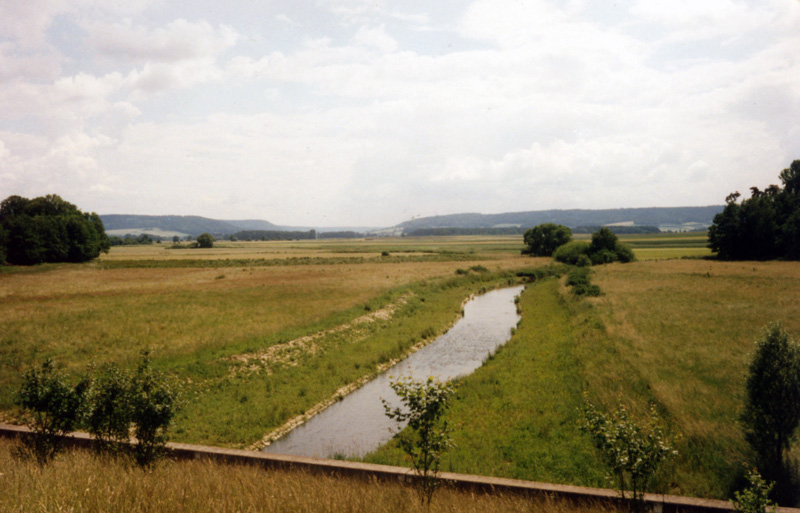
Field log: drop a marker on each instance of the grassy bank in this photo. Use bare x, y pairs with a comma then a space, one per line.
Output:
81, 482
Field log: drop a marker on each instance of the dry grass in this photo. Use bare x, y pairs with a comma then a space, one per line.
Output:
82, 482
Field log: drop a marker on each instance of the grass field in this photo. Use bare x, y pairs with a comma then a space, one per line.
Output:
260, 333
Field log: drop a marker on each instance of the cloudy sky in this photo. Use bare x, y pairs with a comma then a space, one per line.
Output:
371, 112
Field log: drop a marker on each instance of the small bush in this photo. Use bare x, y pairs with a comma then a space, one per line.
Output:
108, 419
154, 403
571, 251
53, 407
754, 498
427, 435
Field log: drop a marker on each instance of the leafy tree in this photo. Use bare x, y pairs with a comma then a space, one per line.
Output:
427, 435
772, 405
205, 240
52, 406
153, 404
632, 454
49, 229
542, 240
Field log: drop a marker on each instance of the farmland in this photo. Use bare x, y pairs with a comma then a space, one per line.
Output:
259, 333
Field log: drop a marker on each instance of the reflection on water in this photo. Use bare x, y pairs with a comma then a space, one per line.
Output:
357, 424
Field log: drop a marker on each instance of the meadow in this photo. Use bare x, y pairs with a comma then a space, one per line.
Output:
261, 333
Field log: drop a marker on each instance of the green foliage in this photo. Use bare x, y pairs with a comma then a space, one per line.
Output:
605, 248
542, 240
765, 226
205, 240
153, 405
754, 498
772, 404
109, 416
48, 229
52, 406
426, 436
631, 454
578, 279
570, 252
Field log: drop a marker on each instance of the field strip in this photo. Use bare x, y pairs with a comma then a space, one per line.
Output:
285, 353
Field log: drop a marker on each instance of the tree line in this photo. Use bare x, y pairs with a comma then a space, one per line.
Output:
765, 226
48, 229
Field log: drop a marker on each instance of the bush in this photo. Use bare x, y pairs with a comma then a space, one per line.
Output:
427, 436
109, 417
570, 252
754, 498
578, 279
52, 408
632, 455
153, 403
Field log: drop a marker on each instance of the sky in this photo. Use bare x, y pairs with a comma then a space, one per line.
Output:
371, 112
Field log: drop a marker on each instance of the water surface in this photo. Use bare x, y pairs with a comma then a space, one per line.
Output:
358, 425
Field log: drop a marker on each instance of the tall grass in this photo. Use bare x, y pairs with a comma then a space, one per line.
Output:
81, 482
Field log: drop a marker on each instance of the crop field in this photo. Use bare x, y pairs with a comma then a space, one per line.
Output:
260, 333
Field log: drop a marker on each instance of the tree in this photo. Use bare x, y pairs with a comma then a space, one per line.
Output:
772, 404
542, 240
53, 407
205, 240
427, 435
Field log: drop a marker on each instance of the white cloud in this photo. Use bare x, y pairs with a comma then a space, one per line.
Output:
179, 40
375, 37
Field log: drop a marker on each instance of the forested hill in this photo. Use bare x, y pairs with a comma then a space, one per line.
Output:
655, 216
190, 225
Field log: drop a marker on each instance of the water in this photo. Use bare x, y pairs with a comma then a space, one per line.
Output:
357, 424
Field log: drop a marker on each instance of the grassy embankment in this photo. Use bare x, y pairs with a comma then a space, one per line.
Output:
81, 482
678, 333
230, 324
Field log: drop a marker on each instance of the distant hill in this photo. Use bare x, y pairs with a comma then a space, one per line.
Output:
666, 218
186, 225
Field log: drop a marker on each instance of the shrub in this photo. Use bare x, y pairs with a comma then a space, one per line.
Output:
52, 406
631, 454
570, 252
427, 436
754, 498
108, 419
154, 403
